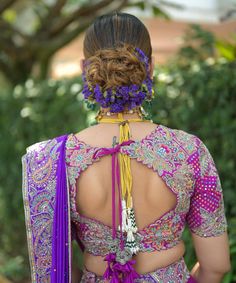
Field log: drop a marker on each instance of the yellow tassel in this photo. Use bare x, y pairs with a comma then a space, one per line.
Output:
128, 219
124, 159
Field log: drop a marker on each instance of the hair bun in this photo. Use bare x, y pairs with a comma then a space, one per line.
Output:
115, 67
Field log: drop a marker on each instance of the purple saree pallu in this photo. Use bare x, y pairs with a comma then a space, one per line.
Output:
47, 211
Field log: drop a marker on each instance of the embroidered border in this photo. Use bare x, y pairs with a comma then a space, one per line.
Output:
39, 182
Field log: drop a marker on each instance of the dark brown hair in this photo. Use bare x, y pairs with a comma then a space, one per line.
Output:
109, 48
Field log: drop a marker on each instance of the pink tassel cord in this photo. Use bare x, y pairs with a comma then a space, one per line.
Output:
117, 272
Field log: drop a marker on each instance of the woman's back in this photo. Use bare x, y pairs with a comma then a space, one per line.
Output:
151, 196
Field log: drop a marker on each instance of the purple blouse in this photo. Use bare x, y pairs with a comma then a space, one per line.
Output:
187, 168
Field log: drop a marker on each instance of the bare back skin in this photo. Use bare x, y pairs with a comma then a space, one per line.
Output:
151, 197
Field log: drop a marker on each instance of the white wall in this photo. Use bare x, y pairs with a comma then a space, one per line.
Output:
202, 11
209, 11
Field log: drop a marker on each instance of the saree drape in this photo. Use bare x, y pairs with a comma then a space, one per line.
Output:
47, 211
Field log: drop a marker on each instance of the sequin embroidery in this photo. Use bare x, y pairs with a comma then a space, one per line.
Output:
39, 168
186, 166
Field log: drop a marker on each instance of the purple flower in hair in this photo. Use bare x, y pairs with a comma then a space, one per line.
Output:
98, 93
142, 57
117, 107
108, 96
118, 97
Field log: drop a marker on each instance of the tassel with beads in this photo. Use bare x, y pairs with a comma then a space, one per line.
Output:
131, 229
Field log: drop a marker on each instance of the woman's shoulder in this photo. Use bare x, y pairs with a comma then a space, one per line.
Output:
186, 139
46, 145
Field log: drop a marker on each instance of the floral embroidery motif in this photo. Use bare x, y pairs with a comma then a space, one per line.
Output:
163, 233
93, 234
78, 157
206, 216
176, 272
39, 179
188, 170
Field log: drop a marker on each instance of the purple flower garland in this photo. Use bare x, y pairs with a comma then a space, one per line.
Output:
121, 96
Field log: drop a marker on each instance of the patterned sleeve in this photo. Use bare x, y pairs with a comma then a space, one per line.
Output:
206, 216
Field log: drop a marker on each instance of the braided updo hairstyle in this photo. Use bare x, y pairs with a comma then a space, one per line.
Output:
108, 46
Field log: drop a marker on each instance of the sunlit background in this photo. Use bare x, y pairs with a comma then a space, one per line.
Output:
215, 16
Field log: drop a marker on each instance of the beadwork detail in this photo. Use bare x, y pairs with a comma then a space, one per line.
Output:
39, 167
187, 168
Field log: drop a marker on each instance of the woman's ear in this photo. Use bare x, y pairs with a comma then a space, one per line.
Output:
152, 65
82, 64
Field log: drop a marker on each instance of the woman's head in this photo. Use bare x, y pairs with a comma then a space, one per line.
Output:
108, 45
111, 60
111, 30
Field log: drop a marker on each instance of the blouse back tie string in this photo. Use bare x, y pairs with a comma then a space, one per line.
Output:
120, 263
115, 174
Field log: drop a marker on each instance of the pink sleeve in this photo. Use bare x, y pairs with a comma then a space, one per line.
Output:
206, 216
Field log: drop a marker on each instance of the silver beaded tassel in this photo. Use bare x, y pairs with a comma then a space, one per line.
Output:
130, 229
124, 216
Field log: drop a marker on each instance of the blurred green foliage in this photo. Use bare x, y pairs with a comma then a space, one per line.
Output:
29, 113
195, 92
31, 32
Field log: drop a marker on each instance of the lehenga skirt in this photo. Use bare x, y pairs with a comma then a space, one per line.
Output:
176, 272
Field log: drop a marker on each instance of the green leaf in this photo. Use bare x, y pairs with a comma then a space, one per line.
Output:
9, 15
171, 4
158, 12
228, 277
139, 4
226, 50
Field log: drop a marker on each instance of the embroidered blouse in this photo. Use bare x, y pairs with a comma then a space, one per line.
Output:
184, 163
